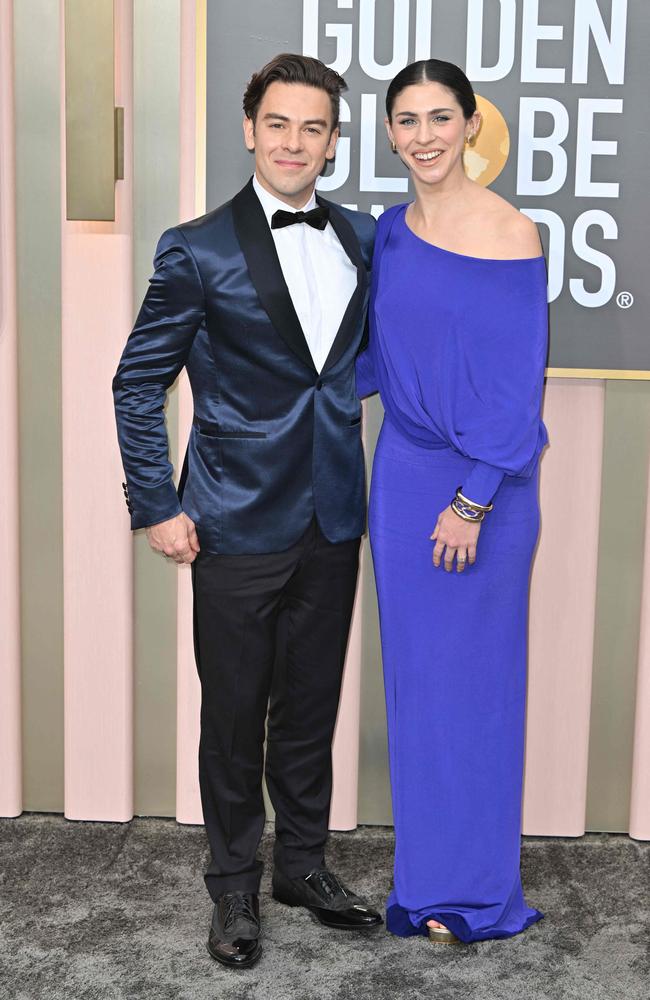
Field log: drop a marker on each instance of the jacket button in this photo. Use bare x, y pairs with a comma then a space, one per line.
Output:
319, 384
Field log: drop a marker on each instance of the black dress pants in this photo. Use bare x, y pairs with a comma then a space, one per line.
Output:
270, 634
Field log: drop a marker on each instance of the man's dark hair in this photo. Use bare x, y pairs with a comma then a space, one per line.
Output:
291, 68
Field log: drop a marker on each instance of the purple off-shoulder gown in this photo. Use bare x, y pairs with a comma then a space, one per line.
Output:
457, 351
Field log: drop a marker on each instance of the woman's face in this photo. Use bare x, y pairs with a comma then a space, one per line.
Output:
429, 129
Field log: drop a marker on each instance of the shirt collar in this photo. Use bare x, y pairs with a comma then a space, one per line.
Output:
271, 204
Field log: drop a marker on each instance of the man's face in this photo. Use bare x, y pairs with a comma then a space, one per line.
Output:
291, 139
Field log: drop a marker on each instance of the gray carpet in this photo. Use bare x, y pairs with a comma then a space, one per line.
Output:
111, 911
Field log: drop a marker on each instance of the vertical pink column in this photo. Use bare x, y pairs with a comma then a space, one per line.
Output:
10, 728
192, 203
562, 611
345, 747
640, 800
97, 314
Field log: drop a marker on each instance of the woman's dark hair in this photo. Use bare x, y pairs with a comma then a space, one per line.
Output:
433, 71
291, 68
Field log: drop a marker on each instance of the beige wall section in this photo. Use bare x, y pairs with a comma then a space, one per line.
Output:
374, 786
11, 777
38, 184
192, 204
640, 799
618, 604
156, 66
562, 609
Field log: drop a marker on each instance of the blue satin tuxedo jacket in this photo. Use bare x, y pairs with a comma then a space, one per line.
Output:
272, 441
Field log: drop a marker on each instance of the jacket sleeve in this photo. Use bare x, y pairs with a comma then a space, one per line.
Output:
155, 352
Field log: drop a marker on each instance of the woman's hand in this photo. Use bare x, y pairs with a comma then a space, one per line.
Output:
454, 537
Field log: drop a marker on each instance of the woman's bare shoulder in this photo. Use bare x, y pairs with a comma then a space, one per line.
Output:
521, 234
513, 231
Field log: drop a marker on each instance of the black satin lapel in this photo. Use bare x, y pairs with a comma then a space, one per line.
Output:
350, 321
256, 242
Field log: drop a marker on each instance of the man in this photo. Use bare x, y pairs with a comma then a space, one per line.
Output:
263, 301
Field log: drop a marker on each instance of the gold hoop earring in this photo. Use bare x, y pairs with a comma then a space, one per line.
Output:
393, 146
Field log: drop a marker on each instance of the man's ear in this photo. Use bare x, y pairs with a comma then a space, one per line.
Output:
249, 132
331, 146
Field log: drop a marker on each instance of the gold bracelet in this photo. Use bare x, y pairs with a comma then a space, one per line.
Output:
465, 512
472, 503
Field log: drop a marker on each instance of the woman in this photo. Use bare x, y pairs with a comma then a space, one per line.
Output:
457, 351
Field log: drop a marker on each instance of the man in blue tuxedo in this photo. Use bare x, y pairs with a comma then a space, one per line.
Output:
263, 301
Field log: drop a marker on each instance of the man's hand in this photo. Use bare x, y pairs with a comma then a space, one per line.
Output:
454, 537
175, 538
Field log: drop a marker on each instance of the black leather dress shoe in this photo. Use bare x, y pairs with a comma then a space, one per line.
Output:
233, 937
323, 893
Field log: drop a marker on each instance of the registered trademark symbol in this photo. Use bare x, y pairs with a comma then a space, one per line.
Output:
624, 300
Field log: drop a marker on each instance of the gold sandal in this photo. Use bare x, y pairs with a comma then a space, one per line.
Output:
441, 935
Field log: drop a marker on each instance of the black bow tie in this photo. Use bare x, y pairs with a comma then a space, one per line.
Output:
317, 218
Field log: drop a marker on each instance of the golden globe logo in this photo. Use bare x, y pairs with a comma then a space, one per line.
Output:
487, 155
566, 174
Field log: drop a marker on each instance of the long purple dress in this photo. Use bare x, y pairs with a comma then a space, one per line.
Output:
457, 351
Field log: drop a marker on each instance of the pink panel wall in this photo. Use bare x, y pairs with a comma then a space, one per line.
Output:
562, 611
188, 692
10, 728
96, 315
640, 803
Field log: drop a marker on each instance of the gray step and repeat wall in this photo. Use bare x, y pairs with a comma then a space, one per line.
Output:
563, 88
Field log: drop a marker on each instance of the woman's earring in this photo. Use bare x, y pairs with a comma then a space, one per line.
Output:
393, 146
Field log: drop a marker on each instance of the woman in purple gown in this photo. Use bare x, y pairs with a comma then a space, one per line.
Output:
458, 341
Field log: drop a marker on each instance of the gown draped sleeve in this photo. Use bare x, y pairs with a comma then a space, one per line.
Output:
365, 374
494, 414
463, 365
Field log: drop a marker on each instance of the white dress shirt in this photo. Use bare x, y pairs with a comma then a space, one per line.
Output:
320, 276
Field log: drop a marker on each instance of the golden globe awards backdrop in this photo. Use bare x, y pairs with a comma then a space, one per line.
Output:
562, 85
